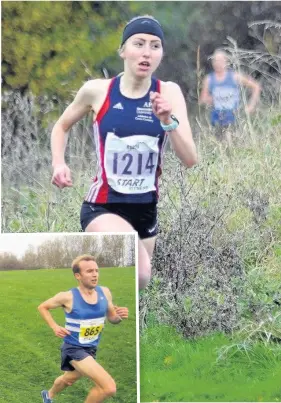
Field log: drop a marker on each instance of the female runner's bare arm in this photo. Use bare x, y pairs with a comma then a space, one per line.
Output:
81, 105
181, 138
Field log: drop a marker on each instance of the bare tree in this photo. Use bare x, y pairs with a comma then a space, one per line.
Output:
8, 261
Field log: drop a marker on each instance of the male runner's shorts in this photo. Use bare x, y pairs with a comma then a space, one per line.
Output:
222, 122
70, 352
222, 118
142, 217
221, 131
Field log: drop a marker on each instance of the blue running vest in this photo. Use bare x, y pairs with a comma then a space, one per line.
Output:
225, 96
129, 142
86, 321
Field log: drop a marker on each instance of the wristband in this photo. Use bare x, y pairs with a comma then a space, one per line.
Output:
171, 126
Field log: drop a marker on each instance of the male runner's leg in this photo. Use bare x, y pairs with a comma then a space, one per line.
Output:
104, 384
63, 381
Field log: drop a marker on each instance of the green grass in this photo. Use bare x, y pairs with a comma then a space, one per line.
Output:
240, 192
177, 370
30, 359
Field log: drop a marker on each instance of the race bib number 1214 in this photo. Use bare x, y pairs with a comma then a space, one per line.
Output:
131, 162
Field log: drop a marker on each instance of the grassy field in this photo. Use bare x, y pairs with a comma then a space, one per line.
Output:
178, 370
30, 356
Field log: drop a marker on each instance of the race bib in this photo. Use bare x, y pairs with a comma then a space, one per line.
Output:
131, 163
90, 330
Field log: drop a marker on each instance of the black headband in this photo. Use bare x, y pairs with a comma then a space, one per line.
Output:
143, 25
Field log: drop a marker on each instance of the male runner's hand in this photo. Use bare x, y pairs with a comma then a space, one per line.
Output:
123, 312
61, 176
60, 331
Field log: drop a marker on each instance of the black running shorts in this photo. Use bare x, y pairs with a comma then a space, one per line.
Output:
142, 217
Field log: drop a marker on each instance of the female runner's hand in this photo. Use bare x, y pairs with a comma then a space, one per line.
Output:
161, 108
61, 176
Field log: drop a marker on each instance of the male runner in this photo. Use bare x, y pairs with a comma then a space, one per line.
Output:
86, 309
221, 91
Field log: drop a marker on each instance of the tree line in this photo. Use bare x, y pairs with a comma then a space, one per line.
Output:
51, 47
109, 251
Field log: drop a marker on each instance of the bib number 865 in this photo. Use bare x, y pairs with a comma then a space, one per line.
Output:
92, 331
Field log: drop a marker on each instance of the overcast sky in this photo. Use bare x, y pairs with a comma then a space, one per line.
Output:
18, 243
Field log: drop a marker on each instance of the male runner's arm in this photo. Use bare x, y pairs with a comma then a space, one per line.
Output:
115, 314
205, 96
61, 299
181, 138
255, 88
81, 105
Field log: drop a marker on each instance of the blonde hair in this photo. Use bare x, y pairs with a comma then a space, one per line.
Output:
75, 264
220, 51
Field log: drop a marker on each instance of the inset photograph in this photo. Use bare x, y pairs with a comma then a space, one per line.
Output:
68, 318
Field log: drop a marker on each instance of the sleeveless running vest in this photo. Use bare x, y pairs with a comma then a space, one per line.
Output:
129, 142
86, 321
225, 93
225, 96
